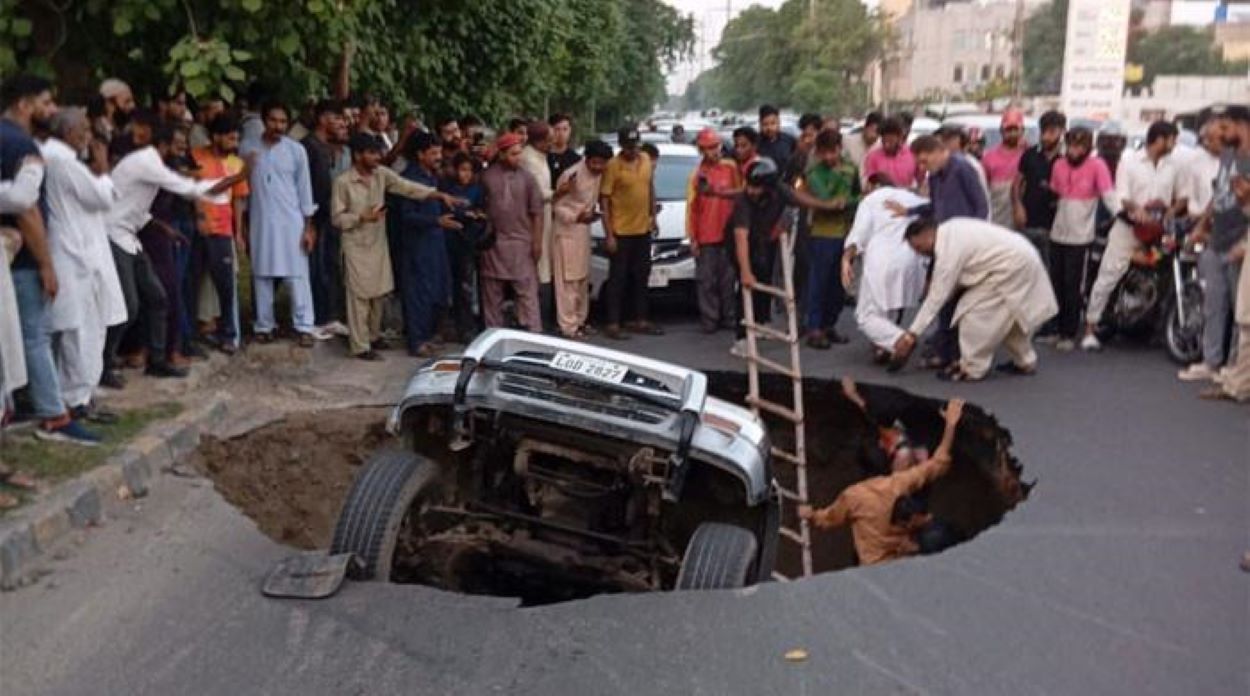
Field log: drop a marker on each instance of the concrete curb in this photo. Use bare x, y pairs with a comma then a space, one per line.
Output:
30, 533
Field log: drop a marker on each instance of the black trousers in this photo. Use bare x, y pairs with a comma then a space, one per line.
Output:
463, 260
218, 258
763, 258
628, 272
144, 297
1067, 274
326, 278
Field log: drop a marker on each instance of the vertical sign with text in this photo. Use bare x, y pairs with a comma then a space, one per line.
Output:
1093, 60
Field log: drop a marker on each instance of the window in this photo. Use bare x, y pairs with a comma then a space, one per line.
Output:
959, 73
985, 72
989, 40
960, 40
1000, 72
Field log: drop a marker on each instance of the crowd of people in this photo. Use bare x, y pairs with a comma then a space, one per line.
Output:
993, 246
137, 235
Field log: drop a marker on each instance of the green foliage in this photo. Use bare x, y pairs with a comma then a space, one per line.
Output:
1045, 36
490, 57
808, 57
1180, 50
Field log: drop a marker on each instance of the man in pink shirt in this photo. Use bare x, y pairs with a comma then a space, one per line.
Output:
1001, 165
892, 159
1080, 181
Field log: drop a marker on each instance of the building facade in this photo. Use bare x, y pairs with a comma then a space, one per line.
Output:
946, 50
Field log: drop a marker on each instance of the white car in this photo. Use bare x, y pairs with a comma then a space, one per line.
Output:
672, 265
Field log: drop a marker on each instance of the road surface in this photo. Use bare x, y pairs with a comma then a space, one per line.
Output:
1120, 575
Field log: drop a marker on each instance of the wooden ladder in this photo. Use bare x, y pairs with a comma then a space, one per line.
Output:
793, 413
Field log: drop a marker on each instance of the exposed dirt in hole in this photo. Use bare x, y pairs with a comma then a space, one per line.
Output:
291, 477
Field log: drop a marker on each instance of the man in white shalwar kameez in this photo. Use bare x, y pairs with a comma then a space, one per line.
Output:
893, 275
280, 211
1006, 293
90, 300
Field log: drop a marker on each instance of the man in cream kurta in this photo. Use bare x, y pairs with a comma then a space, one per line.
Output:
1006, 296
358, 208
574, 210
534, 161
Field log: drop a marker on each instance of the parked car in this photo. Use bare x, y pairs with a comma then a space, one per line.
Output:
537, 465
672, 264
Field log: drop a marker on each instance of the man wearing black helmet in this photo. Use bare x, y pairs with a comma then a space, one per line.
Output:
759, 217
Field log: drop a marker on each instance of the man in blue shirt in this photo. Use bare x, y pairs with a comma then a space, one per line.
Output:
424, 267
27, 103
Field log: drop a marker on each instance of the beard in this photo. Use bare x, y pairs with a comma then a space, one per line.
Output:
1232, 141
1077, 161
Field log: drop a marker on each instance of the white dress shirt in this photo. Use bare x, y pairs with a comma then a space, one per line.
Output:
1140, 181
138, 177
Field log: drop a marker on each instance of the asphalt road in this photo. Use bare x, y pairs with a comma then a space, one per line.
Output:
1120, 575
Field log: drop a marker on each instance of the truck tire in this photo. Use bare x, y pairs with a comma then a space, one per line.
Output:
719, 556
386, 487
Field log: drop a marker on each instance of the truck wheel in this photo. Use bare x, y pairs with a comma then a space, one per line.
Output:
386, 487
719, 556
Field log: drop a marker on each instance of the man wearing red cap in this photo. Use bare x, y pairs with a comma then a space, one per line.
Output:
709, 205
514, 205
1002, 163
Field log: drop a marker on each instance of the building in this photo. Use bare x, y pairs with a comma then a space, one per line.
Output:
949, 49
1155, 14
1233, 38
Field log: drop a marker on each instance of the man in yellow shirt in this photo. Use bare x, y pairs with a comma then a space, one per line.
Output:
881, 511
627, 196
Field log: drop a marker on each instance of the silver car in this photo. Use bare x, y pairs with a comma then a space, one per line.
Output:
537, 466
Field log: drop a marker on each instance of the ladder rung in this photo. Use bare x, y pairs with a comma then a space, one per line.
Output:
769, 290
769, 332
775, 366
792, 535
787, 493
787, 456
780, 577
775, 409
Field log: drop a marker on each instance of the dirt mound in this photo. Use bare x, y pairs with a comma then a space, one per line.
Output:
291, 477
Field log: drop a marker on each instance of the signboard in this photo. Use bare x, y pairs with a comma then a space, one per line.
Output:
1094, 57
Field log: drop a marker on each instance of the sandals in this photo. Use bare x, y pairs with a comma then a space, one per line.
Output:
957, 374
1010, 368
818, 340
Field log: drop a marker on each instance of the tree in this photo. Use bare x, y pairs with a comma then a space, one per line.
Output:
1045, 36
1180, 51
490, 57
802, 55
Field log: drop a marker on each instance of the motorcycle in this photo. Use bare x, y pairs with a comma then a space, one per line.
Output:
1160, 296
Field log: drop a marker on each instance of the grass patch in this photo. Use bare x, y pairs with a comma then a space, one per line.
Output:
52, 462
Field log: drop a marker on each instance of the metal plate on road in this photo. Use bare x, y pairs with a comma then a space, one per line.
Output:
658, 278
307, 576
586, 366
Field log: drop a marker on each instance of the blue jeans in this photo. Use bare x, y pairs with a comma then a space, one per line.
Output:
825, 297
41, 376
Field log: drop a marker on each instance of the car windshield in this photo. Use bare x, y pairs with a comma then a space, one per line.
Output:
672, 176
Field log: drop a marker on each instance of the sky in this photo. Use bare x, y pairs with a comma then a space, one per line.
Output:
710, 17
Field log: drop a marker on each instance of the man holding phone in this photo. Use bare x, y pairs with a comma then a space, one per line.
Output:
358, 209
577, 194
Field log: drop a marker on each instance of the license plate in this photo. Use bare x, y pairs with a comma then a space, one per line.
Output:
658, 278
597, 368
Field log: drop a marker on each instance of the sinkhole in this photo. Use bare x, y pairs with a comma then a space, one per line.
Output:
547, 514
